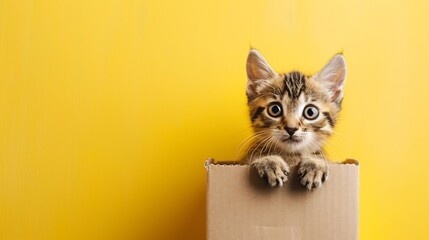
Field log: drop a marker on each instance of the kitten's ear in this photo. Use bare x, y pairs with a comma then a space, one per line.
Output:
258, 70
333, 77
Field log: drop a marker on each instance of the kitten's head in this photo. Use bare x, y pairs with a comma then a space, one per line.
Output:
298, 112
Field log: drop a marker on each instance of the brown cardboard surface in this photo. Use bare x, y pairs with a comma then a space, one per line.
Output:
241, 205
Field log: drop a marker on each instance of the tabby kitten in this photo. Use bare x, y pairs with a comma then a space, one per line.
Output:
292, 115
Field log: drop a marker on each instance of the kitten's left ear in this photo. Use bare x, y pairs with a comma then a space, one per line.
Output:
333, 77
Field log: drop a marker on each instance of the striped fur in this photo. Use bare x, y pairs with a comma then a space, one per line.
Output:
294, 92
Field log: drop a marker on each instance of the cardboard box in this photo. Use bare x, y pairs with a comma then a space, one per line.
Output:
242, 206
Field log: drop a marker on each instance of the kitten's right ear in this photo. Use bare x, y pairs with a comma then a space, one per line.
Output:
258, 71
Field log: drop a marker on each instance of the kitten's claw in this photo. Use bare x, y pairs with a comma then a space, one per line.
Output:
312, 173
274, 168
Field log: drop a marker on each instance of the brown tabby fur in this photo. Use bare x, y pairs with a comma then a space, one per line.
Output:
271, 153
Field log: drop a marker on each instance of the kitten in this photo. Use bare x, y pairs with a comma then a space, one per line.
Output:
292, 114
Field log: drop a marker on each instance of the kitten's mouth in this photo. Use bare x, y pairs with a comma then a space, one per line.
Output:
291, 140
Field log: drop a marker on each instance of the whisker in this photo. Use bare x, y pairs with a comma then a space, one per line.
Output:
247, 140
273, 144
264, 146
261, 142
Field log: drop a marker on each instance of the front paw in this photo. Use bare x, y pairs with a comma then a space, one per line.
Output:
313, 172
274, 168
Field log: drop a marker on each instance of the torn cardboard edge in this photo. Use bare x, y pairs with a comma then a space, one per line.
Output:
241, 205
211, 161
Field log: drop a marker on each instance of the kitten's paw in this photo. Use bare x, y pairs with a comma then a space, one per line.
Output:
313, 172
274, 168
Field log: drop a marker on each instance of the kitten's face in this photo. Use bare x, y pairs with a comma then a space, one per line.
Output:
294, 111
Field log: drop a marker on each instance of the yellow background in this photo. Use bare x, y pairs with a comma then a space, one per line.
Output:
108, 109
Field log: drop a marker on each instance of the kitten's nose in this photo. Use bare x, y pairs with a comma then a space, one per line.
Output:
291, 131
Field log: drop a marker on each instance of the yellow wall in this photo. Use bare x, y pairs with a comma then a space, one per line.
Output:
109, 108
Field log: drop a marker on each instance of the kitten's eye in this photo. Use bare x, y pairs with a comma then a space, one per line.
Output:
275, 110
311, 112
